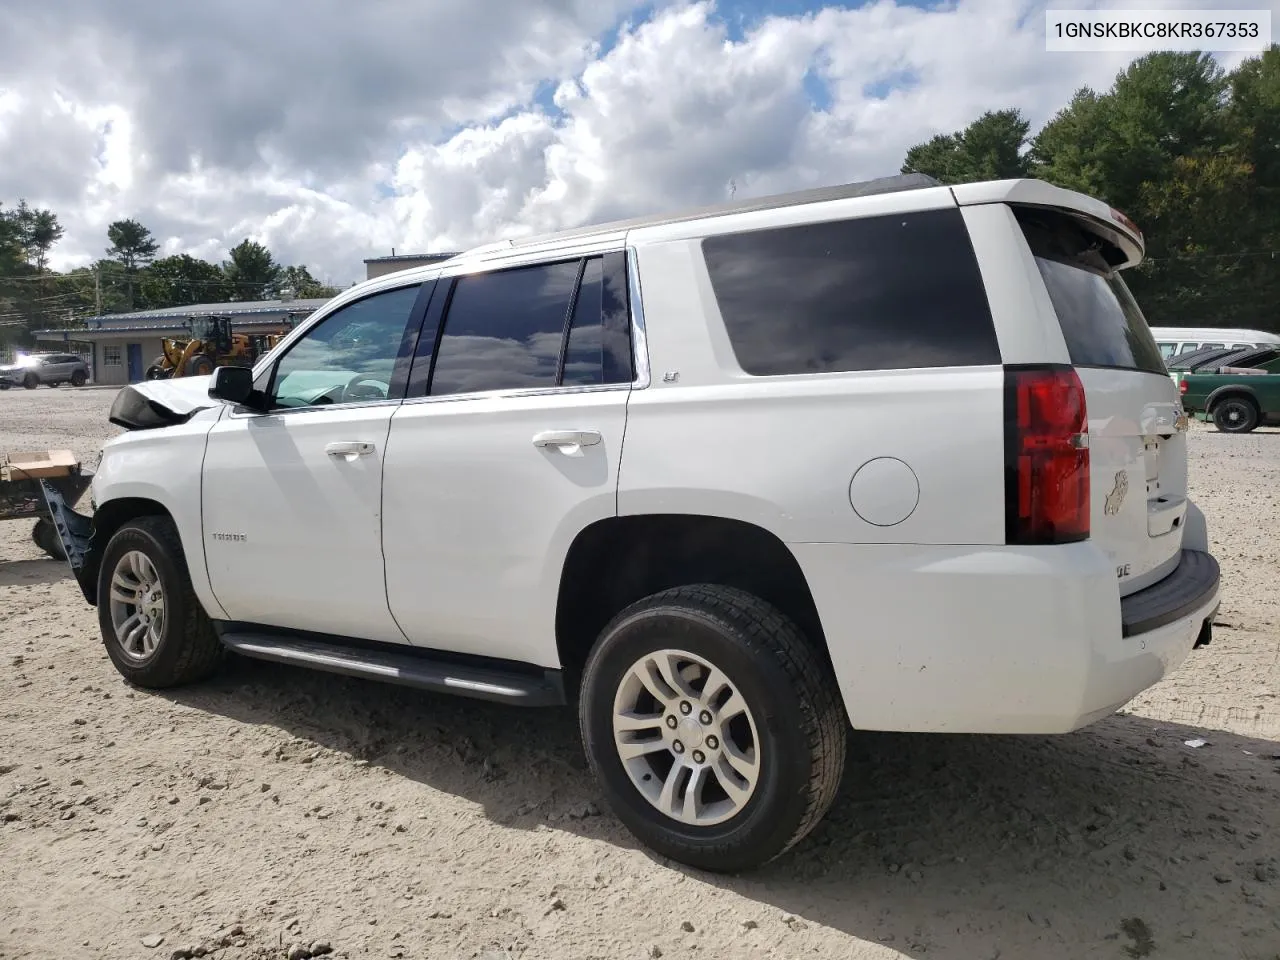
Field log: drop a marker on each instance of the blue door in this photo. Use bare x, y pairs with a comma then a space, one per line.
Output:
135, 362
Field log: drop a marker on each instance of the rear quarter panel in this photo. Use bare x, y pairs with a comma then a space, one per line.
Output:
781, 452
1202, 388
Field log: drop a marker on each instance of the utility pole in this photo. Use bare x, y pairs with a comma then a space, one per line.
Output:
97, 290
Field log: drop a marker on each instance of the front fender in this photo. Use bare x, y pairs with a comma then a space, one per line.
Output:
158, 471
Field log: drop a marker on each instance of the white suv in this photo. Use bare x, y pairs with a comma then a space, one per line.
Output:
890, 455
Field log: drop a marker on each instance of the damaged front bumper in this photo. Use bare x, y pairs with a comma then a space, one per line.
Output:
75, 531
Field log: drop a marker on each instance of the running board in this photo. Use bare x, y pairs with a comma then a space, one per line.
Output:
411, 669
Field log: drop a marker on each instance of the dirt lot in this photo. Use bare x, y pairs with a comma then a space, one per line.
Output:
274, 807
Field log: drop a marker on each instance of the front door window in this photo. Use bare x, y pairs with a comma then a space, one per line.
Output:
349, 356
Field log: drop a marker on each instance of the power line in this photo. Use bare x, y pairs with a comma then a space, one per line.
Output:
1214, 256
87, 278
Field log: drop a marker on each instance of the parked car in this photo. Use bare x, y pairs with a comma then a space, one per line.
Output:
1237, 399
1177, 341
33, 369
889, 455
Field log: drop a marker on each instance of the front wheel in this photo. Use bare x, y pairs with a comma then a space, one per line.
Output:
1235, 415
152, 625
713, 726
200, 366
31, 381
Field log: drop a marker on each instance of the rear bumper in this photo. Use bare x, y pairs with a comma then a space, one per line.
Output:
1192, 584
999, 639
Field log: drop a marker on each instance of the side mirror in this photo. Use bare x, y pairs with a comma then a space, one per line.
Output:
232, 384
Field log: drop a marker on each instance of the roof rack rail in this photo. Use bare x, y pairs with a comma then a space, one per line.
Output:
845, 191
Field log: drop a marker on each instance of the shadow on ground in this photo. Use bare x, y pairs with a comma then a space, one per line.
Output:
24, 573
1116, 841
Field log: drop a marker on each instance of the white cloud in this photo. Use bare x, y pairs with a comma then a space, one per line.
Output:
421, 130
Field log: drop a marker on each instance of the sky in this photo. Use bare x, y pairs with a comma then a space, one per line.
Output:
333, 131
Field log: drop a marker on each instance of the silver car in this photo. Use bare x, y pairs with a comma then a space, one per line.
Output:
32, 369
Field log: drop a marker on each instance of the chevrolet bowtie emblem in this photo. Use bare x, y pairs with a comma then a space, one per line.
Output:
1182, 423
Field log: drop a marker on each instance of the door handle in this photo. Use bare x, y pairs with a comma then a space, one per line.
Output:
349, 449
568, 442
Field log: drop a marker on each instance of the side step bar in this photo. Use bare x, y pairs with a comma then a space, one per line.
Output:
410, 668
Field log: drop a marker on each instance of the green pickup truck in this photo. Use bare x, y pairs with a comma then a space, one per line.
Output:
1235, 399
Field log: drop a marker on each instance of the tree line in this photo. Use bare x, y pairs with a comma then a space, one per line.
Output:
129, 277
1189, 152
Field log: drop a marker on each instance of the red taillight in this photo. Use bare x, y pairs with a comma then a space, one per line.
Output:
1047, 456
1182, 386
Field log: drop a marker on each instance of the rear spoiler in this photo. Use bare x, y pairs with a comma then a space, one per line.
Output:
1100, 218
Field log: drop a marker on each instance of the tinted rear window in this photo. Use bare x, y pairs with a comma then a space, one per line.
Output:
1101, 322
877, 293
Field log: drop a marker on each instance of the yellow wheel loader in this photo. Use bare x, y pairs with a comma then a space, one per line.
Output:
212, 344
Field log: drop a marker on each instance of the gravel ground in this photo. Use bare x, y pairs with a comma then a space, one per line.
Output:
276, 812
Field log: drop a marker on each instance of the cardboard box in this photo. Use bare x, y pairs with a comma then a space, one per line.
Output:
46, 463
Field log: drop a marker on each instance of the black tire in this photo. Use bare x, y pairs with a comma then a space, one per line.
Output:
78, 378
1235, 415
45, 536
200, 366
799, 718
52, 384
31, 381
188, 650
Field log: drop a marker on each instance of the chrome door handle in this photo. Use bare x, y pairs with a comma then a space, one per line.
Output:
349, 449
568, 442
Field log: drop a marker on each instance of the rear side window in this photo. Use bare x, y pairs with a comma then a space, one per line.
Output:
504, 330
1101, 322
878, 293
549, 325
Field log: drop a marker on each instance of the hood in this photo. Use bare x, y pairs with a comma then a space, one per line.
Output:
160, 403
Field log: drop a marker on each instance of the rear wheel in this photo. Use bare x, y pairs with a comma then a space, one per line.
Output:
78, 378
152, 625
713, 726
1235, 415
